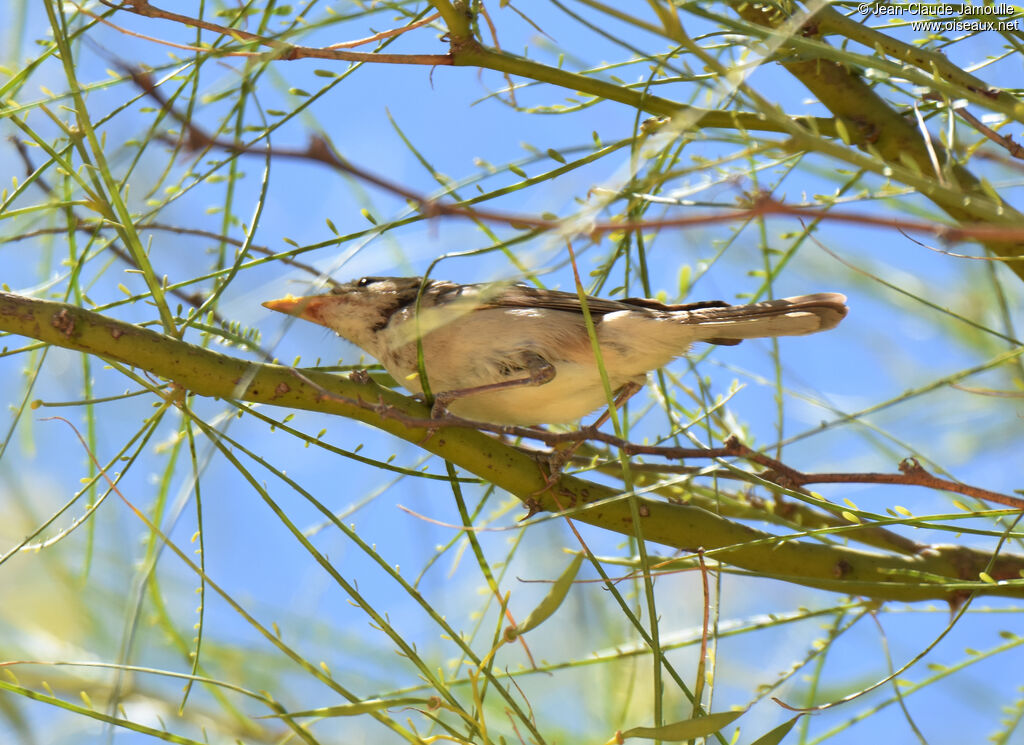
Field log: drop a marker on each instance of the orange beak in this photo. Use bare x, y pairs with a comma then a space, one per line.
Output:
306, 308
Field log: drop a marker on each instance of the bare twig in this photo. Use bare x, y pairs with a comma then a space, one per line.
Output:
777, 472
195, 299
279, 49
762, 205
911, 473
497, 45
320, 151
1005, 141
385, 34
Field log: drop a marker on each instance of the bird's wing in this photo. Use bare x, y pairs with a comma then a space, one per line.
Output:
524, 296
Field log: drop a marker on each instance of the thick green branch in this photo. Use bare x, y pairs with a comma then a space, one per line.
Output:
865, 118
208, 373
876, 127
476, 55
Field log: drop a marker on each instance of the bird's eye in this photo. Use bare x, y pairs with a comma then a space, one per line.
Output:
364, 281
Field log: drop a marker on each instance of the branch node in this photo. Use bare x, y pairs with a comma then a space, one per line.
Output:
912, 467
64, 322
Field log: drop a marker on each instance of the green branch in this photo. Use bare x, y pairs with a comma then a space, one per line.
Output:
476, 55
873, 125
942, 572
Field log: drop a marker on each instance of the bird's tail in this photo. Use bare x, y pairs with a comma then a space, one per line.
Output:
791, 316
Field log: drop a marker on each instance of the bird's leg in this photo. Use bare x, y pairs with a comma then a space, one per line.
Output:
625, 393
539, 371
557, 459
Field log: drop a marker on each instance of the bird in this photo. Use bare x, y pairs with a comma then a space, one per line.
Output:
512, 354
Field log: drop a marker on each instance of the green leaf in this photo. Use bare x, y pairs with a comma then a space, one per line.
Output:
842, 131
555, 155
987, 188
551, 601
686, 729
354, 708
685, 277
775, 736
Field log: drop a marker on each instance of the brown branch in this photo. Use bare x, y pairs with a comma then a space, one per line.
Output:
144, 80
762, 205
497, 45
92, 226
320, 151
280, 49
912, 473
194, 299
1005, 141
385, 34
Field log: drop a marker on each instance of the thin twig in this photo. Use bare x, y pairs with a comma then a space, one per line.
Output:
384, 34
1005, 141
762, 205
777, 472
280, 49
497, 45
912, 473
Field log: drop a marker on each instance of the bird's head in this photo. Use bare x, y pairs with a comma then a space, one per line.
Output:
357, 310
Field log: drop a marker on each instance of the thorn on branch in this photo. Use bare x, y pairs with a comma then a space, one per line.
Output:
912, 467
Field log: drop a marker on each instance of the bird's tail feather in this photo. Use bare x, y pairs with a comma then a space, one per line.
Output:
791, 316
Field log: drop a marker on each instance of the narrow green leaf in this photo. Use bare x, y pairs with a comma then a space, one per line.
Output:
909, 162
775, 736
551, 601
843, 132
990, 190
354, 708
686, 729
685, 277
